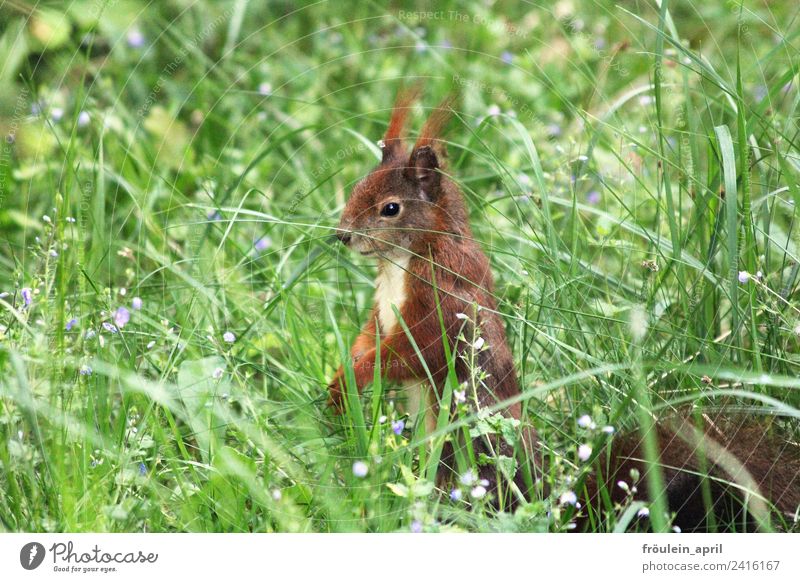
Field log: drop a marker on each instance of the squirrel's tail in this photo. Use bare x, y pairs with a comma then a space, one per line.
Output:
722, 476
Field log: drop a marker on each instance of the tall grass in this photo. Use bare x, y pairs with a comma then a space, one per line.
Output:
631, 170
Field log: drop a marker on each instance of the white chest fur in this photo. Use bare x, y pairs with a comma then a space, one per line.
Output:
391, 290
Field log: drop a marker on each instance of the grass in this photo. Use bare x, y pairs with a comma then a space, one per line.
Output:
623, 165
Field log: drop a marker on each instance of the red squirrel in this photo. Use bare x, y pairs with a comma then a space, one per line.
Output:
412, 218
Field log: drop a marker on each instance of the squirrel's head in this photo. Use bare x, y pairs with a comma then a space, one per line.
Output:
406, 199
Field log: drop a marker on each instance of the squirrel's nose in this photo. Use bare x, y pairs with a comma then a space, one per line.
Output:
343, 236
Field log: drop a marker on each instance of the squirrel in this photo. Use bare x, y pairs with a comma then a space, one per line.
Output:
410, 216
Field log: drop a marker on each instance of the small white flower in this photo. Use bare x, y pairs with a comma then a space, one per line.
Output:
276, 494
478, 492
217, 373
56, 113
382, 419
643, 512
479, 343
744, 277
568, 498
46, 219
584, 452
83, 119
460, 396
461, 316
493, 111
229, 337
585, 421
676, 529
265, 89
622, 485
150, 344
608, 429
484, 482
360, 469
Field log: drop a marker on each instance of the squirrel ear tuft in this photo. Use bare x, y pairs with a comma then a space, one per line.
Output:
431, 134
393, 139
423, 168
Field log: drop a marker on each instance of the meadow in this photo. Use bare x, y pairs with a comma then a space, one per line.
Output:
173, 304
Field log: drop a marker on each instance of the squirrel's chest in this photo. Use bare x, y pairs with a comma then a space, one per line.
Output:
391, 290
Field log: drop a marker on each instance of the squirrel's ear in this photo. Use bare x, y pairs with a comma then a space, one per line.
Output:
392, 146
431, 134
423, 168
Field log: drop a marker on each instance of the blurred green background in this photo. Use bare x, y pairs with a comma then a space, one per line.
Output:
632, 176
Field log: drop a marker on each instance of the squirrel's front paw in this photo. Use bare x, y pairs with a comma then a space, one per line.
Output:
336, 392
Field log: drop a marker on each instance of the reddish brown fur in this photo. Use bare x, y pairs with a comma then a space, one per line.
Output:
448, 266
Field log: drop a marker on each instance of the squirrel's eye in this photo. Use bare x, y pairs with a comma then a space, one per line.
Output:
390, 209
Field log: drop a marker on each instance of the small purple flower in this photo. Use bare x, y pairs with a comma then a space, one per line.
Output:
643, 513
56, 113
135, 38
416, 526
360, 469
142, 469
455, 495
83, 119
398, 426
553, 130
214, 215
263, 243
85, 371
593, 197
507, 57
109, 328
136, 303
744, 277
27, 296
71, 323
121, 317
229, 337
